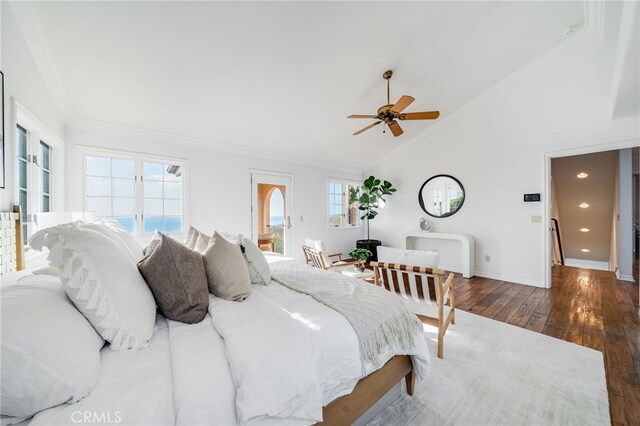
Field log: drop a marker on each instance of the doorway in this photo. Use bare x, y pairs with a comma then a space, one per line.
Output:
271, 207
587, 204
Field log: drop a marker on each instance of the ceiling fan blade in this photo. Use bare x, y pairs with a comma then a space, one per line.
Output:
367, 128
362, 116
402, 103
395, 128
426, 115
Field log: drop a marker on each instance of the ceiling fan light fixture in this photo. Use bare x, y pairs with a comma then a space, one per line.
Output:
390, 113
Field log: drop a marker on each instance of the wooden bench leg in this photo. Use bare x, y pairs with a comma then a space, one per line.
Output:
410, 381
452, 302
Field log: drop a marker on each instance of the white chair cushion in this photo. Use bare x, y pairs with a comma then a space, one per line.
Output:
318, 245
422, 258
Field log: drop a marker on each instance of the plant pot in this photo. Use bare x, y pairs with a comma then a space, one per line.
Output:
372, 246
358, 268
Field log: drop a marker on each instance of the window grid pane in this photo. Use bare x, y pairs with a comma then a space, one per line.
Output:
110, 190
341, 213
162, 197
21, 172
45, 177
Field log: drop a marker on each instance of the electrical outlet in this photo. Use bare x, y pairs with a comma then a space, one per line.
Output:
301, 219
487, 258
536, 218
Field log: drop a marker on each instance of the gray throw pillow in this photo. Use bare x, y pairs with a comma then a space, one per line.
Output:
176, 276
226, 269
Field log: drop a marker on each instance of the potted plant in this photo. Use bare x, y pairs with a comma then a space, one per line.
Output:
360, 255
369, 197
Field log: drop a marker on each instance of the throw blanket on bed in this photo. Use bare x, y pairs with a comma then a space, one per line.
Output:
380, 319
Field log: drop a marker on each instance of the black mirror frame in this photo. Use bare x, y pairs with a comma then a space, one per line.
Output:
421, 200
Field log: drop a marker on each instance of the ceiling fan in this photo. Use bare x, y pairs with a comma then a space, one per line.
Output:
388, 114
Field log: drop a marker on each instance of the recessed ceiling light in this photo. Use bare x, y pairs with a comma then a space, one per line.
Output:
584, 205
584, 229
585, 250
582, 175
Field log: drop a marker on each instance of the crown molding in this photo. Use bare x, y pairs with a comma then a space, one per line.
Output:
31, 28
594, 11
202, 143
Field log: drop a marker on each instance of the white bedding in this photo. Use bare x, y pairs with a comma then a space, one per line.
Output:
134, 388
190, 375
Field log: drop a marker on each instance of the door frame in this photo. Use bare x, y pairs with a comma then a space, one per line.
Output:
548, 156
288, 207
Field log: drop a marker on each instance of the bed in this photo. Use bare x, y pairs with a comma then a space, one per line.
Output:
279, 357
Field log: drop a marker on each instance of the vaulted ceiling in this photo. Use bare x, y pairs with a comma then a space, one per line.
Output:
282, 77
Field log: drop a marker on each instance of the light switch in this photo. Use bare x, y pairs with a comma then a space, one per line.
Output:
536, 218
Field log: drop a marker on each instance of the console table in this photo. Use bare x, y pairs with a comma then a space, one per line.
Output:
468, 247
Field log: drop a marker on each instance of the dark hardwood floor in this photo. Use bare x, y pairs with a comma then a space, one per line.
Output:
586, 307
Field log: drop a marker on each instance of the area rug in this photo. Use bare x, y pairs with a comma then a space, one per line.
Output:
497, 374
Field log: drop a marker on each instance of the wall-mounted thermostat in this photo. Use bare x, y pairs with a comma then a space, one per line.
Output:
531, 197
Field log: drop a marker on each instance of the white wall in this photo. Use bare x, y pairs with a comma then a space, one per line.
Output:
497, 147
219, 188
23, 82
625, 216
613, 249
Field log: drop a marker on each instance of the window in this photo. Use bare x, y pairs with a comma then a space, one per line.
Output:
110, 190
22, 176
34, 170
142, 195
341, 213
162, 197
45, 177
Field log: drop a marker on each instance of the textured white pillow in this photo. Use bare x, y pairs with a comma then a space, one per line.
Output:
103, 282
425, 259
112, 232
257, 265
50, 353
318, 245
129, 240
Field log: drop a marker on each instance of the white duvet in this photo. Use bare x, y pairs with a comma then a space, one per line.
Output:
276, 358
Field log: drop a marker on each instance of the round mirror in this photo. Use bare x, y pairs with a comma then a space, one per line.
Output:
441, 196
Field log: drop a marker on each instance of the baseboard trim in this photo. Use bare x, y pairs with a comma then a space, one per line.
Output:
515, 280
625, 277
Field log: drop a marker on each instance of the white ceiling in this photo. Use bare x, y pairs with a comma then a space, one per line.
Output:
597, 190
282, 77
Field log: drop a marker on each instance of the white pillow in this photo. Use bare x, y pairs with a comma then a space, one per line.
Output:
257, 265
196, 240
202, 242
129, 240
318, 245
190, 239
116, 236
103, 282
50, 353
422, 258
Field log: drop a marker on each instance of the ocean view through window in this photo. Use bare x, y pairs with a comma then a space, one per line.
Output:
140, 194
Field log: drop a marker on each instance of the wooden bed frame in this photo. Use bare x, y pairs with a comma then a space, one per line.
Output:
11, 245
347, 409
